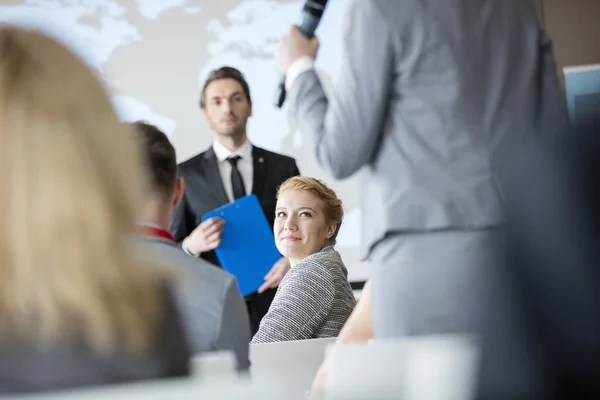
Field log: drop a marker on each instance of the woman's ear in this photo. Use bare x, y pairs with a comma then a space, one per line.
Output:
330, 230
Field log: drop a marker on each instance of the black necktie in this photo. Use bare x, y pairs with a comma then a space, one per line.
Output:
237, 183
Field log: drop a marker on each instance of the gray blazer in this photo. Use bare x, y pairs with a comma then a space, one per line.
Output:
428, 93
211, 305
313, 300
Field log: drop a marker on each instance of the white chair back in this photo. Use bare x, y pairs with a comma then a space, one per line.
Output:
215, 364
416, 368
293, 363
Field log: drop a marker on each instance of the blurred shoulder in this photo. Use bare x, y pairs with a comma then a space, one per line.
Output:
191, 269
387, 12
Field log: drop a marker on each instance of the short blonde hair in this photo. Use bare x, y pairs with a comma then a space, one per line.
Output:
332, 205
71, 188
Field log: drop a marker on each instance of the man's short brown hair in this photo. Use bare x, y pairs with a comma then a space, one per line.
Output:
160, 157
225, 73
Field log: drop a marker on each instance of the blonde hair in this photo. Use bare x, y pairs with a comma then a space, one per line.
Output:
332, 205
71, 187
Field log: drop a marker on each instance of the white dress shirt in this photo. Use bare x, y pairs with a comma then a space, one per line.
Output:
295, 69
244, 165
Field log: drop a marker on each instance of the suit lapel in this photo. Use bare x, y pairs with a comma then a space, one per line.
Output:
259, 170
211, 165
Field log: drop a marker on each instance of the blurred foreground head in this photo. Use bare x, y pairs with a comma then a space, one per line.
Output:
70, 190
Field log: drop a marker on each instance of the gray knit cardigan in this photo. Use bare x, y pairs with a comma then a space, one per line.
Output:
313, 300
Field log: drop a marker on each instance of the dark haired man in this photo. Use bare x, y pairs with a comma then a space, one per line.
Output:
231, 168
209, 300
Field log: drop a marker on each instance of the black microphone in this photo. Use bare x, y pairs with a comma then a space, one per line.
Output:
311, 16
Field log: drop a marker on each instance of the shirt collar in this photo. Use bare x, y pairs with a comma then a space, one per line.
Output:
223, 153
148, 224
152, 230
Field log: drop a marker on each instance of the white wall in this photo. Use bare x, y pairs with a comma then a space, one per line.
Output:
574, 28
155, 54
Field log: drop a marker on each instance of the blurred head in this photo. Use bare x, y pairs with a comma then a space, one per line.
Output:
308, 217
164, 188
72, 183
225, 103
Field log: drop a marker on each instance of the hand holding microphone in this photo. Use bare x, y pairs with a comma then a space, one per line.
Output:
295, 45
299, 41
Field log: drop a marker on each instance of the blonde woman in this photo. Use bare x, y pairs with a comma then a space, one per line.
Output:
314, 299
76, 307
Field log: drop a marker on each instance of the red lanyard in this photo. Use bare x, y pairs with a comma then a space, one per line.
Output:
161, 233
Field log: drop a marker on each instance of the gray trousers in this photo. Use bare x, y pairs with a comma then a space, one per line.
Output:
430, 282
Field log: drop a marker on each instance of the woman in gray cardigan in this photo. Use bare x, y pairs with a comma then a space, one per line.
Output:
314, 299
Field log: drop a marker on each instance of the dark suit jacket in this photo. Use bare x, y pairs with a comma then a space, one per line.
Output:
28, 365
204, 190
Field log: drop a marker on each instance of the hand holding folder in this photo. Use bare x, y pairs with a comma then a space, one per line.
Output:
247, 249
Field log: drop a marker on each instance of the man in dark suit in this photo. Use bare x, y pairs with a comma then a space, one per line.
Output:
231, 168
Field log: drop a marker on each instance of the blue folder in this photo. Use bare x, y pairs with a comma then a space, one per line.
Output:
247, 249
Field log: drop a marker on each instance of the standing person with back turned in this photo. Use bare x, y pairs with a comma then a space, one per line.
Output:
231, 168
429, 92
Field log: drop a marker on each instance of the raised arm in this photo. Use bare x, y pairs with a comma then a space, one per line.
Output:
345, 130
